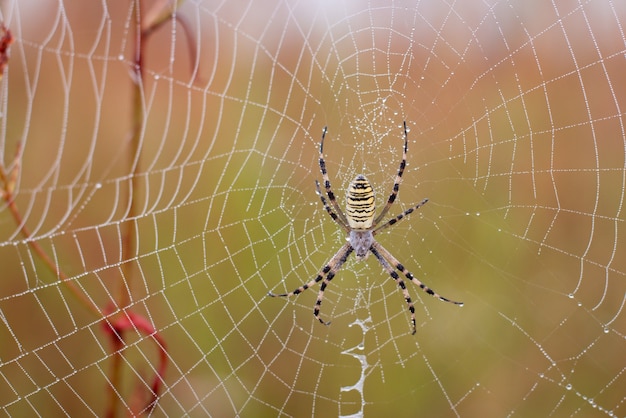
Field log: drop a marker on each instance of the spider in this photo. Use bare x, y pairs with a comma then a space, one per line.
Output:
361, 226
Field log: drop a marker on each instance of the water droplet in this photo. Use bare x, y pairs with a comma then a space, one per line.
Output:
568, 386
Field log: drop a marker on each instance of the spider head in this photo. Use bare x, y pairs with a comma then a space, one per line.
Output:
360, 204
361, 241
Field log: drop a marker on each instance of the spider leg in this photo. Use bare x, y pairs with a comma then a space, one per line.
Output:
383, 255
396, 184
329, 191
326, 274
410, 276
330, 210
401, 216
400, 283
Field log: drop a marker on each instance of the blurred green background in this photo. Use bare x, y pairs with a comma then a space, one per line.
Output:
516, 135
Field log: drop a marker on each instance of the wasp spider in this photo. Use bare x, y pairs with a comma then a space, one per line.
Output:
361, 226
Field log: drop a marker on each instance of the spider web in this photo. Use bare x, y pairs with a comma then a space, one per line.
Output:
156, 187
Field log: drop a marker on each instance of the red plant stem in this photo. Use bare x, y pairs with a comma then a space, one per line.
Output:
34, 245
9, 179
120, 323
129, 240
130, 321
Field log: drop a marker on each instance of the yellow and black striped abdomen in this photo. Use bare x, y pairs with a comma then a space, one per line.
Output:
360, 204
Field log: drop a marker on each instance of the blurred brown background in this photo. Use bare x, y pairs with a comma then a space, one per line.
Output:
516, 135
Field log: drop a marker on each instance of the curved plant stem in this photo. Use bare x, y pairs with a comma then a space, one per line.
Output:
116, 322
126, 320
9, 179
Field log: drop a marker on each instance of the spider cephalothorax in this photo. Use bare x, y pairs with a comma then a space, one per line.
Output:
361, 227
